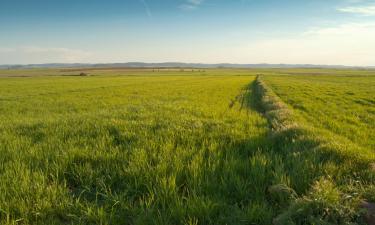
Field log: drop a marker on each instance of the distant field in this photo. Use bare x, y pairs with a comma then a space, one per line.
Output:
191, 146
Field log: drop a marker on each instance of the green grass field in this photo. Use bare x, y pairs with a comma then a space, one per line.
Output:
342, 105
186, 147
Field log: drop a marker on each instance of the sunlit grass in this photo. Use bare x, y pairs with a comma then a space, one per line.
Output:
336, 169
344, 105
183, 147
131, 150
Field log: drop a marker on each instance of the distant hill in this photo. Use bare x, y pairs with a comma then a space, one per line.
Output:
173, 65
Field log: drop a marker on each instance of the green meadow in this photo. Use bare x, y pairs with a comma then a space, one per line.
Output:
343, 105
186, 146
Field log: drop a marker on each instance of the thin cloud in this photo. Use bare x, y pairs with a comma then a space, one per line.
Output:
191, 4
33, 54
331, 45
65, 54
368, 10
147, 8
6, 50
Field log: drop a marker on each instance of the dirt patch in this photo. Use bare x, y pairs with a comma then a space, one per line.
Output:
370, 215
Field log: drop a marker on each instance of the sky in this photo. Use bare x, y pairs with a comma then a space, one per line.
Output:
334, 32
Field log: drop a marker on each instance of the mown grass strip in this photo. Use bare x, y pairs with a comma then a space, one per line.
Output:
276, 111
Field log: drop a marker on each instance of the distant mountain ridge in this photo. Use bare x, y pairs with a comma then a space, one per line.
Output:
175, 65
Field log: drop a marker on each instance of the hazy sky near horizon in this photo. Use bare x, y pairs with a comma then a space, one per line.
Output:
206, 31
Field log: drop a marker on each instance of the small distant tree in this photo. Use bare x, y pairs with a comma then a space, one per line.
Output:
82, 74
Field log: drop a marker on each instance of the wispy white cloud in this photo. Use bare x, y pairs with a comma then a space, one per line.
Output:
346, 44
6, 50
368, 10
34, 54
66, 54
147, 8
191, 4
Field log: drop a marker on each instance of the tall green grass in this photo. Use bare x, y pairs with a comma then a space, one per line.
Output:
330, 174
132, 150
171, 147
342, 105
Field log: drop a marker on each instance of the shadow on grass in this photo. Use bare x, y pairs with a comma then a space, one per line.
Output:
221, 185
226, 183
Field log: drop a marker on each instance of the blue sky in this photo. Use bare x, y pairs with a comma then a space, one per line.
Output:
207, 31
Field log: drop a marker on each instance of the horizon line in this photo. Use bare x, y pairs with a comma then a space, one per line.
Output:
297, 65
